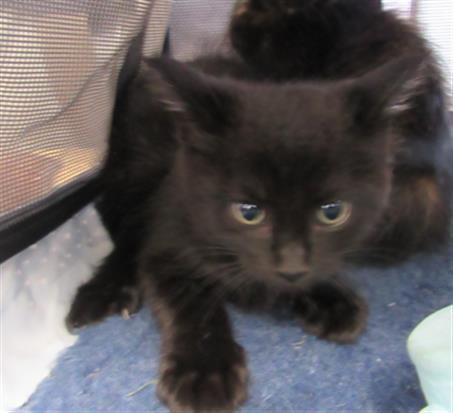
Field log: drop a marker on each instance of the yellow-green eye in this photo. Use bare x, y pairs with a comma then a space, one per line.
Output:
248, 214
334, 214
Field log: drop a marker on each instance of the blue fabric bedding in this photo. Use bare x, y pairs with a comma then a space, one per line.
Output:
113, 366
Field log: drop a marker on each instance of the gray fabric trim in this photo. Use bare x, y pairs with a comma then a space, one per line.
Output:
157, 28
198, 26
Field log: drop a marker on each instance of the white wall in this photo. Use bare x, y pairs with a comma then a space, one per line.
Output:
403, 7
435, 19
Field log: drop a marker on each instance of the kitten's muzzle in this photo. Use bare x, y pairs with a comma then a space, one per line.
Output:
292, 277
292, 263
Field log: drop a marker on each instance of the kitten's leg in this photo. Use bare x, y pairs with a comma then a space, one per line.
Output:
283, 39
252, 31
331, 311
417, 218
278, 38
112, 290
202, 368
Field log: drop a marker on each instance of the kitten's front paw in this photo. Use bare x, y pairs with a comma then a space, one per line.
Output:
96, 301
332, 312
196, 384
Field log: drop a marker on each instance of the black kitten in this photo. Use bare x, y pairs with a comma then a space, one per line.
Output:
253, 177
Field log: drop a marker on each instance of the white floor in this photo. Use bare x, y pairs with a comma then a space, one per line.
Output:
36, 289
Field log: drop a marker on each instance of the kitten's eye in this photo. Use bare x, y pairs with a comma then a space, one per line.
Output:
334, 214
249, 214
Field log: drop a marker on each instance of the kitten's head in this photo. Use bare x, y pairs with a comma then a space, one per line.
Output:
279, 182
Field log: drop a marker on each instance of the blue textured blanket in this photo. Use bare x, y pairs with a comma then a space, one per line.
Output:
113, 366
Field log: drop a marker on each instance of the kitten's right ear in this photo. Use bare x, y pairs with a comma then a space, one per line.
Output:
385, 91
205, 99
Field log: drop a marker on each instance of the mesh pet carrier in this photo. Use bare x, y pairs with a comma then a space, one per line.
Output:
61, 64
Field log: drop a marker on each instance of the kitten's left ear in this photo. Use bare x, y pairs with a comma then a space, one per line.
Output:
385, 91
205, 99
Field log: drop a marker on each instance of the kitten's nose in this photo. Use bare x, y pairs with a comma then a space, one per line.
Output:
292, 264
292, 276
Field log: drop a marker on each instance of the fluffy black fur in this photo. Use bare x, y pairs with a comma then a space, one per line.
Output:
321, 100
